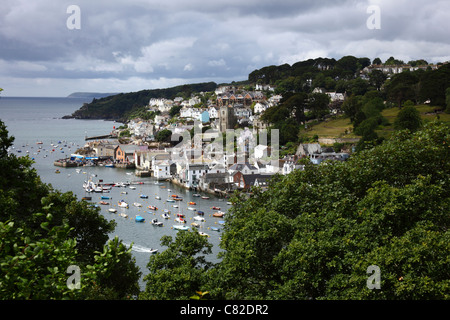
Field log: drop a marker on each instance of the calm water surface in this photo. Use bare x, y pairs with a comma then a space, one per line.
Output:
32, 120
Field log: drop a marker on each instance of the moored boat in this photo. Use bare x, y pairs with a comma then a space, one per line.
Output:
155, 222
152, 208
139, 218
112, 210
180, 227
180, 220
218, 214
122, 204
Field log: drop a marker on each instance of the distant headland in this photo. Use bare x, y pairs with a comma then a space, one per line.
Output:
90, 95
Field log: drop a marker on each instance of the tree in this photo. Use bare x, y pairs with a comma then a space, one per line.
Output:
50, 231
408, 118
163, 135
318, 104
180, 270
377, 78
447, 100
376, 61
314, 233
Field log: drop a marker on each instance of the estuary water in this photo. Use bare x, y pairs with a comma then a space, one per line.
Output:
38, 120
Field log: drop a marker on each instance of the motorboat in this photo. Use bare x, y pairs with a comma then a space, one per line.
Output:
198, 218
124, 215
143, 196
158, 198
112, 210
137, 204
165, 216
200, 213
203, 234
192, 203
103, 202
191, 208
215, 208
155, 222
152, 208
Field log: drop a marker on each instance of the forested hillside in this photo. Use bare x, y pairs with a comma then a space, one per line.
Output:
117, 106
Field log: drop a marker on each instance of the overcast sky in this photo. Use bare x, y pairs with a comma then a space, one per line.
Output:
131, 45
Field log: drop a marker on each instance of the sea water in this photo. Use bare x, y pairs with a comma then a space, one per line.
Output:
36, 120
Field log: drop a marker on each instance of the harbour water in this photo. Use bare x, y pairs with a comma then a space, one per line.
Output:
32, 120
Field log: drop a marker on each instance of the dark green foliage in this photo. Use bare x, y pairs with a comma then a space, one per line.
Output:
315, 232
116, 107
180, 270
408, 118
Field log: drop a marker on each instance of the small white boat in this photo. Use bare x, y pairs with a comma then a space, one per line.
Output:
155, 222
153, 251
137, 204
198, 218
203, 234
158, 198
112, 210
132, 188
123, 204
180, 220
165, 216
180, 227
191, 208
124, 215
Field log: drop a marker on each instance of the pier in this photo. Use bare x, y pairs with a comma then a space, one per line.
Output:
106, 136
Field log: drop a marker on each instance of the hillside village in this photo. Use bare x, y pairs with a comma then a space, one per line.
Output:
154, 147
194, 166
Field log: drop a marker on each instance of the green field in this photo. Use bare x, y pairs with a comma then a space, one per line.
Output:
336, 128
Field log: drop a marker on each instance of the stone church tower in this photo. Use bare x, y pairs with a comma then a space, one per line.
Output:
227, 120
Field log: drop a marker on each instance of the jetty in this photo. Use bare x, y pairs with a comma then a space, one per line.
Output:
106, 136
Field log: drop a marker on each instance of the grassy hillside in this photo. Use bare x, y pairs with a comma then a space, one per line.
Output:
341, 127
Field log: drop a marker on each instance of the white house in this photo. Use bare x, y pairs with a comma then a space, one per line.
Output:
213, 113
161, 170
260, 107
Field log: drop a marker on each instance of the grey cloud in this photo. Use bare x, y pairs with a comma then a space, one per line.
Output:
177, 40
